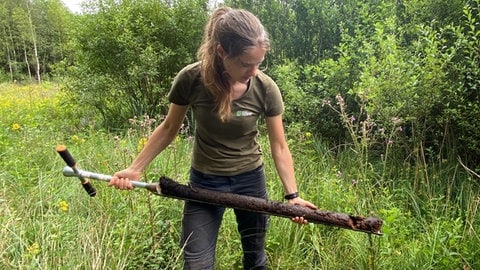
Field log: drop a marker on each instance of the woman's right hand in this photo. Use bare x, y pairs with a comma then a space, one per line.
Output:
121, 179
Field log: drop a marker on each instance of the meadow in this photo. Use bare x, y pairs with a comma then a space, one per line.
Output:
47, 221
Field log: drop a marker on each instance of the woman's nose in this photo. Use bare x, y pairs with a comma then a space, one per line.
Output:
253, 71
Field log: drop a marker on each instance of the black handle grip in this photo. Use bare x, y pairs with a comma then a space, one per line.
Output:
68, 158
89, 188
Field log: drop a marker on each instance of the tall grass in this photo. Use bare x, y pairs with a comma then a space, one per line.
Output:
431, 213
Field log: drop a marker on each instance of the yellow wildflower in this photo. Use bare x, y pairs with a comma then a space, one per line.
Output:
141, 143
75, 139
308, 134
15, 127
34, 249
63, 205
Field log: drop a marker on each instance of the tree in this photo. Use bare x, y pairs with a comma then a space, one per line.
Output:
301, 30
23, 23
34, 37
461, 101
54, 35
5, 38
130, 50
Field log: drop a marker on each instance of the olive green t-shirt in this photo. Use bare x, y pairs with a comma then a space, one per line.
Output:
231, 147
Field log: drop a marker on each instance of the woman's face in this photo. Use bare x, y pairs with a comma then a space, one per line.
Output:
243, 67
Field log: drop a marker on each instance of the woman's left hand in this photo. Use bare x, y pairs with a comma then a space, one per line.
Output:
301, 202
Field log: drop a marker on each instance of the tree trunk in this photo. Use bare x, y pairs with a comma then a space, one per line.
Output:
27, 64
34, 41
170, 188
37, 62
13, 58
9, 59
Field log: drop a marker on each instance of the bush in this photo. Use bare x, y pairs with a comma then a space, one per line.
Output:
129, 52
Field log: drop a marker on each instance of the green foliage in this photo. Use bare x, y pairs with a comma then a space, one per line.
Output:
436, 12
416, 61
31, 32
304, 30
430, 214
461, 101
48, 222
304, 89
421, 85
424, 76
129, 52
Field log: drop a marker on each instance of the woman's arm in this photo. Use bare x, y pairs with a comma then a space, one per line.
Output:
161, 137
281, 153
283, 159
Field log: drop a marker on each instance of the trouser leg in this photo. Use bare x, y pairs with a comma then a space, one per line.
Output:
200, 226
252, 228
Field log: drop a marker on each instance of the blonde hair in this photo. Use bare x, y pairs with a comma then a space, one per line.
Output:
236, 30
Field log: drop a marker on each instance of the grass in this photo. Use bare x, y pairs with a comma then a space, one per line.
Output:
431, 213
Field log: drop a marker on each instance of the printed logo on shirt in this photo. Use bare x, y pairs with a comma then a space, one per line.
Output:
244, 113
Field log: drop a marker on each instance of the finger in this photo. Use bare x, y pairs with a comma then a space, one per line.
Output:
307, 204
113, 181
312, 206
118, 183
125, 184
300, 220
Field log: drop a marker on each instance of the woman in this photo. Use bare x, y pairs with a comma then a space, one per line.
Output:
227, 93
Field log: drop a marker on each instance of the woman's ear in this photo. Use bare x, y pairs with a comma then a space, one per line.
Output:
221, 52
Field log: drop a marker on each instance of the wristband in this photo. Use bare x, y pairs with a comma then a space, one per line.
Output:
291, 196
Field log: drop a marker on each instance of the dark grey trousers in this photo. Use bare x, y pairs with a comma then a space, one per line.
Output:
201, 222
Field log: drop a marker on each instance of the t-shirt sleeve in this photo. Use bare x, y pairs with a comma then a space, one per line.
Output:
181, 88
273, 101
